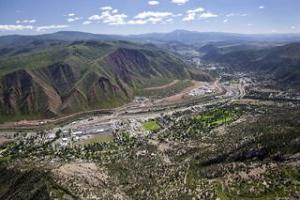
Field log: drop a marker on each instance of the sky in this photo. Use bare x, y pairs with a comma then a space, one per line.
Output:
145, 16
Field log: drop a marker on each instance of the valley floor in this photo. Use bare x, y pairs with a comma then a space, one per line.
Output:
220, 141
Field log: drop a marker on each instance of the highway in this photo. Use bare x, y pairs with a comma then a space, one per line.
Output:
79, 121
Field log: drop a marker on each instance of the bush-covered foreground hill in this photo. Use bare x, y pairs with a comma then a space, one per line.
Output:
229, 152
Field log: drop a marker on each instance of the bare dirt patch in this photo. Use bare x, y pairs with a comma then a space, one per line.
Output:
88, 172
3, 140
161, 146
87, 181
163, 86
182, 94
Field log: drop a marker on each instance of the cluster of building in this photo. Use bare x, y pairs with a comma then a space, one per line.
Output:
68, 134
132, 126
201, 91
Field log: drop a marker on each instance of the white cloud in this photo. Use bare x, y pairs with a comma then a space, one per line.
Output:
137, 22
153, 3
261, 7
26, 21
191, 14
180, 2
231, 15
109, 16
71, 17
225, 20
151, 20
74, 19
86, 22
95, 17
207, 15
236, 14
44, 28
148, 14
153, 17
293, 27
249, 24
15, 27
169, 20
189, 17
198, 13
197, 10
114, 11
106, 8
112, 16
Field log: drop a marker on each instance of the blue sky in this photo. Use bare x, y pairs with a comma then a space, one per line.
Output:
143, 16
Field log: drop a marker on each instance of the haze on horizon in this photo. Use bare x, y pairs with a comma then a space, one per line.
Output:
144, 16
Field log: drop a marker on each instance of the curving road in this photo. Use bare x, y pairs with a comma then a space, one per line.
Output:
135, 110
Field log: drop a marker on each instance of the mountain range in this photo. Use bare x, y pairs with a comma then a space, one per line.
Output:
66, 72
279, 62
182, 36
47, 77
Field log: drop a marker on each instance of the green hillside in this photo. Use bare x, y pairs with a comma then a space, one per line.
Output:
68, 77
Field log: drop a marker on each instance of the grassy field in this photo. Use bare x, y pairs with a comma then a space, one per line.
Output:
217, 117
99, 139
151, 126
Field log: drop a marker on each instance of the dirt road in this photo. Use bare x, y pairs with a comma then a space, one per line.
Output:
163, 86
